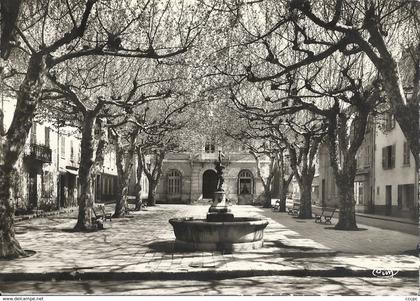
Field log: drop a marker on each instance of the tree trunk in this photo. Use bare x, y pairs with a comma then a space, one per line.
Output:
151, 198
346, 173
282, 197
85, 201
305, 186
27, 99
266, 182
137, 191
153, 175
267, 197
408, 119
124, 158
406, 110
284, 183
138, 187
100, 152
9, 246
122, 197
347, 214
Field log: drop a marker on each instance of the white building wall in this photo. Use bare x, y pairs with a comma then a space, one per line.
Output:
399, 175
48, 174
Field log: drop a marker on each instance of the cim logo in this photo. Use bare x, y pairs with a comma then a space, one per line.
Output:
384, 273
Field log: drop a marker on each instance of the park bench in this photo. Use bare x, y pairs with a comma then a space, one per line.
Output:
131, 199
105, 215
317, 212
293, 208
276, 206
326, 215
97, 219
39, 212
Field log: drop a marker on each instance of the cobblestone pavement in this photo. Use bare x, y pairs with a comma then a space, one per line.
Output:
274, 285
144, 243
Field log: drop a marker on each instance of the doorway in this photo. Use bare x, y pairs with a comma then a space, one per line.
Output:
209, 183
32, 190
62, 191
388, 199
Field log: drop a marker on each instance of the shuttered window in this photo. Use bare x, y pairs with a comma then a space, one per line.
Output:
63, 147
388, 157
33, 133
47, 136
71, 151
389, 122
406, 154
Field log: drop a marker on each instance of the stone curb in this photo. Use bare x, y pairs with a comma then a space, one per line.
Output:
194, 275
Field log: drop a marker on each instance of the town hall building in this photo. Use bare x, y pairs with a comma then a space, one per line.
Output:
189, 178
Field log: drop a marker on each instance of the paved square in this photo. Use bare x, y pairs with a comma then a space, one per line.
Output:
141, 247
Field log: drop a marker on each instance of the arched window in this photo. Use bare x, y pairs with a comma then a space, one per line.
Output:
174, 182
246, 182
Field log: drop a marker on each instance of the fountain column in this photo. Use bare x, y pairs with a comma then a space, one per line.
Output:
219, 211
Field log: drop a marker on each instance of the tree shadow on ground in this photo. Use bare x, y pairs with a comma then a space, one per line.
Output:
302, 219
279, 244
29, 253
170, 247
166, 246
355, 230
254, 286
72, 230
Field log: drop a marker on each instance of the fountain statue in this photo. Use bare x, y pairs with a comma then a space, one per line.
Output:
219, 211
220, 231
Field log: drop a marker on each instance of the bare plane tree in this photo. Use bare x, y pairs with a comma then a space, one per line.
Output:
48, 34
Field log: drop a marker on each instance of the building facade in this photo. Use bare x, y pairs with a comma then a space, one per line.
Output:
191, 177
47, 169
385, 178
395, 173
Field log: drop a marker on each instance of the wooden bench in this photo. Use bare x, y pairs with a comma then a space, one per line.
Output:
326, 215
39, 212
293, 208
317, 212
276, 205
97, 219
105, 215
131, 199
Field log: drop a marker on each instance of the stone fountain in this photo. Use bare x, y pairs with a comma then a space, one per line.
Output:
220, 231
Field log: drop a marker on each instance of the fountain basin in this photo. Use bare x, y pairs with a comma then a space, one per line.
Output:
238, 235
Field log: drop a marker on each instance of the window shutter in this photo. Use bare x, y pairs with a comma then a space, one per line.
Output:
393, 156
384, 153
406, 155
63, 147
47, 136
33, 134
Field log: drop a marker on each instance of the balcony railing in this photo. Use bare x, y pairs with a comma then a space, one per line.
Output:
40, 152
